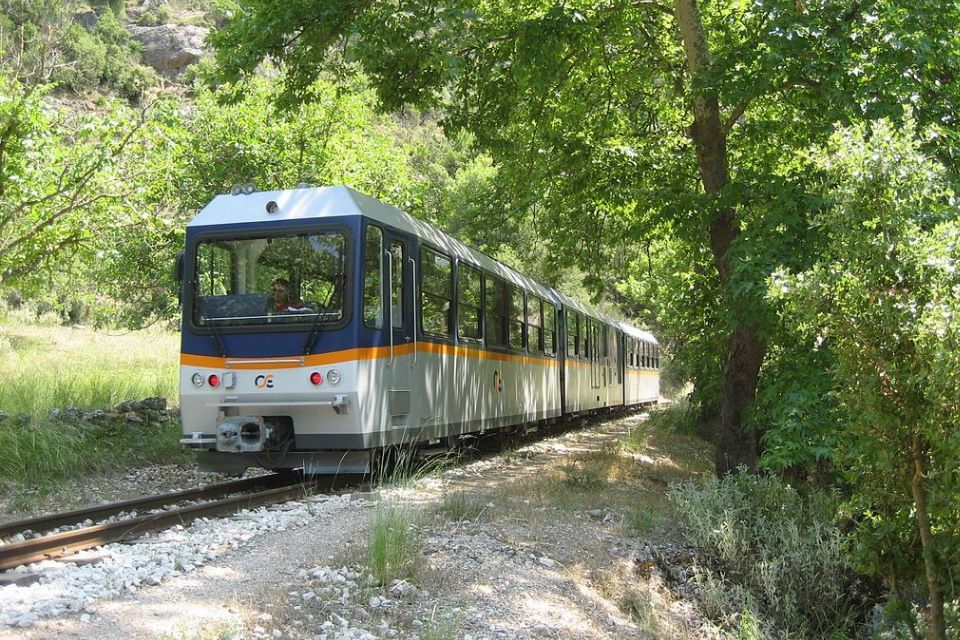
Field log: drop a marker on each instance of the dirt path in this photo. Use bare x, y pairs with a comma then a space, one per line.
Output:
552, 540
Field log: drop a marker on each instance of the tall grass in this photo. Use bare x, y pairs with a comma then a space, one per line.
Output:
394, 548
48, 367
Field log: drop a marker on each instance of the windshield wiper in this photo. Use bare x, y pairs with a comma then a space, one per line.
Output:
315, 328
218, 341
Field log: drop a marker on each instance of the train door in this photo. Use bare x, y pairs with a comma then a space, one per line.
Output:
593, 336
398, 266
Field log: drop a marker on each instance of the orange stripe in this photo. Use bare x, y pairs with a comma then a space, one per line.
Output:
348, 355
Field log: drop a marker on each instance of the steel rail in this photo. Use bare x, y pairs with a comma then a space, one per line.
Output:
102, 512
60, 544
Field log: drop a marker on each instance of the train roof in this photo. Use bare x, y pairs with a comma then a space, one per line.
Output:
633, 332
313, 203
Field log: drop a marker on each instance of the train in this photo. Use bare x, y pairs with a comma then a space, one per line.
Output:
322, 327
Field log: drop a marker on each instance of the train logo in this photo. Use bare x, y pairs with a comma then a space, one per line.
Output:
497, 381
264, 381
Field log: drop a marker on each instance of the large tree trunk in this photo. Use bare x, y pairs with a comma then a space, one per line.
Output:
737, 445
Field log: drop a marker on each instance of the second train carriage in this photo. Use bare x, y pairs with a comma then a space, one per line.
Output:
391, 333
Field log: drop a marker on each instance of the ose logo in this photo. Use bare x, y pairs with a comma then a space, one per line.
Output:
262, 381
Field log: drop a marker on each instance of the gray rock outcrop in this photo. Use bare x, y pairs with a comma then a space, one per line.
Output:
170, 48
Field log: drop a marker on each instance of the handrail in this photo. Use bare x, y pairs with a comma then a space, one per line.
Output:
413, 267
389, 301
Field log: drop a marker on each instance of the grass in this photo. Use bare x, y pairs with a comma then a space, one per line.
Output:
394, 549
50, 367
460, 506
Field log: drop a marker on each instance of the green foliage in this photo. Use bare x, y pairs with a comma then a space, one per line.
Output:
884, 299
394, 548
769, 557
461, 506
43, 43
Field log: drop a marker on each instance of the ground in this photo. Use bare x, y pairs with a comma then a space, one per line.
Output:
567, 537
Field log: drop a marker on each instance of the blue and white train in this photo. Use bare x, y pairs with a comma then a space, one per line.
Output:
393, 333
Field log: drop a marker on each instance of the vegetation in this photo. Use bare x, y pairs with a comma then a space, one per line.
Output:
770, 186
394, 549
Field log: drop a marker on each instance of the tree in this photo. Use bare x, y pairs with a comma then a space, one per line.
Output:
616, 117
883, 297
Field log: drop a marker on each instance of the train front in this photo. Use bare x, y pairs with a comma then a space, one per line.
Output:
268, 365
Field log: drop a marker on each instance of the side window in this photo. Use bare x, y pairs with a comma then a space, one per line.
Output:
549, 328
517, 318
573, 340
495, 311
586, 325
436, 292
656, 356
468, 302
397, 263
605, 340
373, 277
646, 355
535, 322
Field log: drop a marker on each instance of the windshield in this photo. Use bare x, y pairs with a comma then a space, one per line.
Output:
286, 279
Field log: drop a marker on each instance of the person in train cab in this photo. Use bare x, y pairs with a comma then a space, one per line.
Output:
280, 300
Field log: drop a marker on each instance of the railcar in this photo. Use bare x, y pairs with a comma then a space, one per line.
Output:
322, 326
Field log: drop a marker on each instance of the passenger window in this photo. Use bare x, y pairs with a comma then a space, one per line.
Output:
436, 292
495, 311
468, 302
517, 318
573, 340
585, 332
373, 277
656, 356
397, 263
549, 328
605, 340
535, 324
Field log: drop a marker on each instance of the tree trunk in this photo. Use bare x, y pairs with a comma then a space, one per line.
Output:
737, 444
937, 624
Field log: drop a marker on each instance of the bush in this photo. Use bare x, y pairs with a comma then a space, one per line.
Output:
768, 556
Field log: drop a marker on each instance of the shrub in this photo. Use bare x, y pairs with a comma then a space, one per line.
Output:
768, 555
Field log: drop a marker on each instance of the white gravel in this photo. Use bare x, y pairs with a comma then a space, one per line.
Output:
66, 588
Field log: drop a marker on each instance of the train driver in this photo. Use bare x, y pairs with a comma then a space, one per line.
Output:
280, 300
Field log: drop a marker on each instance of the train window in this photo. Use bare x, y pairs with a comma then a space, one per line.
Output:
573, 340
632, 352
397, 262
495, 312
436, 292
656, 356
646, 355
535, 324
468, 302
605, 341
271, 279
586, 329
517, 318
549, 328
373, 277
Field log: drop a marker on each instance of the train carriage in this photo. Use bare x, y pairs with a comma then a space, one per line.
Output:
321, 325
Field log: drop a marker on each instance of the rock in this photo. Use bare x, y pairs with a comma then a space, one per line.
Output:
547, 562
170, 48
133, 417
87, 19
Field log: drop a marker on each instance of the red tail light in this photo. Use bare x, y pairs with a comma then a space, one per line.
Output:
213, 380
316, 378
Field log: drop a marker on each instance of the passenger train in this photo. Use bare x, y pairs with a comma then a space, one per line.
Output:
322, 327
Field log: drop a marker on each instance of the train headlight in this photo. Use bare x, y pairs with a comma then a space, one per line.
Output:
214, 380
197, 380
333, 376
316, 378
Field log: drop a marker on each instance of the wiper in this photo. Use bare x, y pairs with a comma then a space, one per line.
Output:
315, 327
218, 341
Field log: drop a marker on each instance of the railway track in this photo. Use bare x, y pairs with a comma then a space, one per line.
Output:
253, 492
